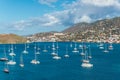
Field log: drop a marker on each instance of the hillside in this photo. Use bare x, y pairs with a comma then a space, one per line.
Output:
11, 38
98, 25
76, 28
101, 29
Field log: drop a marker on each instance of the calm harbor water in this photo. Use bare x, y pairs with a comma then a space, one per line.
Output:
106, 65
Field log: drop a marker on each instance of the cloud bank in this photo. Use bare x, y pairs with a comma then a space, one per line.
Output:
72, 13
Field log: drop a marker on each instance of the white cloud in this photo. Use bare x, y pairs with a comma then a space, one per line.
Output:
74, 12
85, 18
47, 2
102, 3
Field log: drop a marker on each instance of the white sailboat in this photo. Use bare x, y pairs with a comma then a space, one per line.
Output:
21, 60
82, 53
75, 49
53, 46
89, 54
5, 57
86, 63
12, 61
38, 49
56, 57
6, 69
106, 50
45, 50
35, 61
53, 53
110, 46
12, 51
28, 45
12, 54
66, 55
9, 49
71, 44
25, 50
57, 45
101, 45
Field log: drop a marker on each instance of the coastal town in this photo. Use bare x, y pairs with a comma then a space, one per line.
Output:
107, 30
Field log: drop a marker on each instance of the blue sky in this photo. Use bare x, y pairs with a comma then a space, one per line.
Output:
25, 17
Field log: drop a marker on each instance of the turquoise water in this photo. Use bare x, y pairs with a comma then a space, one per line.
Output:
106, 65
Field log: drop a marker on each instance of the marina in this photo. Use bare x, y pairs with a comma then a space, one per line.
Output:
62, 68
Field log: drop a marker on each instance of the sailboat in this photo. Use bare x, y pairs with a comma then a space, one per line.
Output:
28, 45
25, 50
105, 51
86, 63
45, 50
12, 54
6, 69
82, 53
53, 53
21, 60
12, 51
9, 49
101, 45
35, 61
75, 49
5, 57
38, 49
71, 44
53, 46
57, 46
12, 61
89, 55
56, 57
110, 46
66, 55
